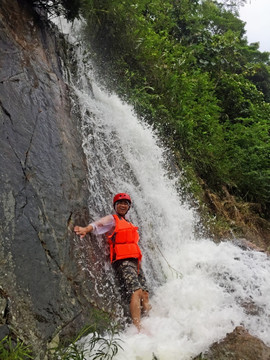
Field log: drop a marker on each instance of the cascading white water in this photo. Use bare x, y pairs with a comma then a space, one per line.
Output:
199, 289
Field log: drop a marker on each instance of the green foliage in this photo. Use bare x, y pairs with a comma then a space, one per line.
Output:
105, 348
259, 75
95, 346
14, 350
73, 352
188, 70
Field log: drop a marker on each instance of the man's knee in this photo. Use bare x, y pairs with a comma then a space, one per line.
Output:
145, 294
138, 292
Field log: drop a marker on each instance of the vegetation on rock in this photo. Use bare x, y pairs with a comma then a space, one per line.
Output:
14, 349
95, 346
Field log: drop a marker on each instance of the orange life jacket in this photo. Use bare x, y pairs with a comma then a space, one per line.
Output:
124, 240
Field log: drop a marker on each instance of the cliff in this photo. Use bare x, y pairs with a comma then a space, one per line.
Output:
43, 185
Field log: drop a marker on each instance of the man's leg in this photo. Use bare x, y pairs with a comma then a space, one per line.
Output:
145, 302
135, 307
133, 282
146, 307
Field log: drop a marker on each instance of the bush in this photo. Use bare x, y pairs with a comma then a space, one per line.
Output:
14, 350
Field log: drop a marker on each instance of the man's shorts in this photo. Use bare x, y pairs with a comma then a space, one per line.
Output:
128, 276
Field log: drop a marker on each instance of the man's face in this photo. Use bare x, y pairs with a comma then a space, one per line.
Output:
122, 207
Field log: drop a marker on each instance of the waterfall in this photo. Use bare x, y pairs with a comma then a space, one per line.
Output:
200, 290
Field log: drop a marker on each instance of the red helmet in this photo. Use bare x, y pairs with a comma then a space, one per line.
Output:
121, 196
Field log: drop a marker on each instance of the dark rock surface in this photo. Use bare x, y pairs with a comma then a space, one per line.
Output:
238, 345
43, 186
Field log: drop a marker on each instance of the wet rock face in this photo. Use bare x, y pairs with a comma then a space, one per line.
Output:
42, 187
51, 281
237, 345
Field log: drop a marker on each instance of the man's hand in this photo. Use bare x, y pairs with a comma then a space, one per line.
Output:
82, 231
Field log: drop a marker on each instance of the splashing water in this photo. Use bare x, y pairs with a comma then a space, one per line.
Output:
199, 290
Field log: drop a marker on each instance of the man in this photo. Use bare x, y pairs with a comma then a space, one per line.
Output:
125, 254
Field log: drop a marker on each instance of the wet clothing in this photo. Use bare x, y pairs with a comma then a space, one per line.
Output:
127, 267
104, 225
128, 276
124, 240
